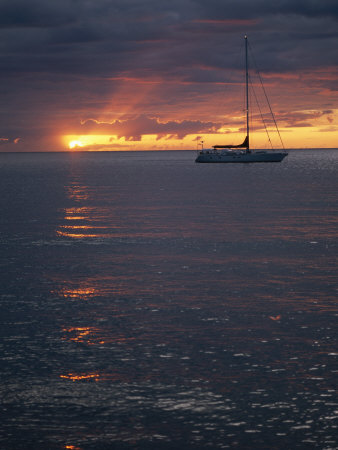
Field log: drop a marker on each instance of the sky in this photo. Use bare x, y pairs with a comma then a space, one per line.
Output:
158, 75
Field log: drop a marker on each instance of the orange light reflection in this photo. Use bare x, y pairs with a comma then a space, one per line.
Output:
83, 293
80, 236
84, 227
88, 376
81, 334
77, 192
75, 217
93, 336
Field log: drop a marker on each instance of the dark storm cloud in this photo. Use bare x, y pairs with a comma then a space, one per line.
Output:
246, 8
35, 13
162, 37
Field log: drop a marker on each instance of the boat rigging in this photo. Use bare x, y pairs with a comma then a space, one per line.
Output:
242, 152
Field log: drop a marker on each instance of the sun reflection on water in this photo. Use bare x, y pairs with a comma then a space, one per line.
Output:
81, 334
83, 293
81, 222
78, 192
80, 377
95, 336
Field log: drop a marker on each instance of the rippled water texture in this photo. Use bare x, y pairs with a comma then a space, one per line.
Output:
148, 302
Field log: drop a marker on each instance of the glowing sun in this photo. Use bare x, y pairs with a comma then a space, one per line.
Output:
74, 144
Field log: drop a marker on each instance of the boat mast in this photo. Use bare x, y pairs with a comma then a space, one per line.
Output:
247, 88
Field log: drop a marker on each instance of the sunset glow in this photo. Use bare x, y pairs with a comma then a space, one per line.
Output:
179, 77
300, 128
315, 130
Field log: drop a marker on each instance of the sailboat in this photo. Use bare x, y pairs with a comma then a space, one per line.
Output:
240, 153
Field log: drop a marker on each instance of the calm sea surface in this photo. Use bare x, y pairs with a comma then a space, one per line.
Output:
148, 302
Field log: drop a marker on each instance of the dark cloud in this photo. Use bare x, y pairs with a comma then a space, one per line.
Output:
83, 33
36, 13
219, 9
151, 35
301, 118
133, 128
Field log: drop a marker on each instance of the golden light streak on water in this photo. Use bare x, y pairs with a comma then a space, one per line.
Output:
85, 376
82, 293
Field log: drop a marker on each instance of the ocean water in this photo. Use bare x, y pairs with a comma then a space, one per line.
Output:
148, 302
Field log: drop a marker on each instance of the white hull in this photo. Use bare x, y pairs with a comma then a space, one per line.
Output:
214, 156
